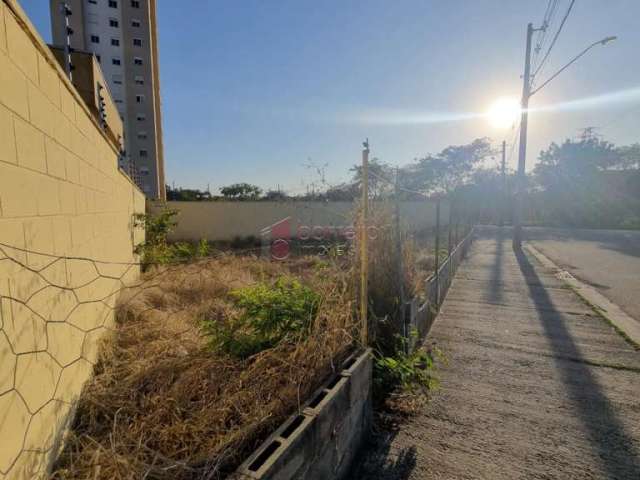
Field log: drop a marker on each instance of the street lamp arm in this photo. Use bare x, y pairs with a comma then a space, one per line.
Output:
599, 42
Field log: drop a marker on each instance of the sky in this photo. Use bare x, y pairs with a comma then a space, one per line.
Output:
272, 92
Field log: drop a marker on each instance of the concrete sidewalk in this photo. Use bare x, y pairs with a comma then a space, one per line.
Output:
537, 385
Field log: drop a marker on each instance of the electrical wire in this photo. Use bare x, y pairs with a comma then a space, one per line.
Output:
553, 42
547, 22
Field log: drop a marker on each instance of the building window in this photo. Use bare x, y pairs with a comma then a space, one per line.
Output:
113, 3
136, 23
141, 117
144, 170
98, 58
144, 154
117, 79
142, 135
115, 61
137, 42
114, 23
115, 42
93, 2
95, 39
139, 80
137, 61
118, 101
139, 98
135, 3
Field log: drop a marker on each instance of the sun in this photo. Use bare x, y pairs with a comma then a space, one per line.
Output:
504, 112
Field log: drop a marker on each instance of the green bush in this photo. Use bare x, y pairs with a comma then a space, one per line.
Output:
409, 372
269, 315
156, 250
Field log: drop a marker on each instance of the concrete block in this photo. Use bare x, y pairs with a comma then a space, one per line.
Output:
20, 48
30, 146
42, 113
49, 81
13, 93
321, 442
67, 196
67, 103
71, 167
7, 137
56, 156
48, 200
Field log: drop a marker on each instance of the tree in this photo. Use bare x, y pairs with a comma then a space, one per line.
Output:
381, 177
241, 191
584, 184
187, 194
274, 195
448, 170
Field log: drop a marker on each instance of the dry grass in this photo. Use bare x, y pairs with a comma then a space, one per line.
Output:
164, 405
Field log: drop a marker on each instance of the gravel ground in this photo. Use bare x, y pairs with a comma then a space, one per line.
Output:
537, 386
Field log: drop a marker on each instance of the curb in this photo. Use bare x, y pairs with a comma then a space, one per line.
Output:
612, 313
321, 440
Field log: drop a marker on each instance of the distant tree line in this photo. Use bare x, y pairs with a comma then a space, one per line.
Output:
587, 182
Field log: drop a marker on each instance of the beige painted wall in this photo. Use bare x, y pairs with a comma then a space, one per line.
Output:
227, 220
62, 201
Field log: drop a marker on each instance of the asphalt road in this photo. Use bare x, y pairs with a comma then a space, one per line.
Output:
609, 260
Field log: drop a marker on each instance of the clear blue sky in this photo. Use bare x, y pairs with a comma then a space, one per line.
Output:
253, 89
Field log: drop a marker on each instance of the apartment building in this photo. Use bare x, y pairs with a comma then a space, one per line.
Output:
122, 34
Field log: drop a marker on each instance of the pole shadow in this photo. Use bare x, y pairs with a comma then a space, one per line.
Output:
495, 286
376, 461
607, 435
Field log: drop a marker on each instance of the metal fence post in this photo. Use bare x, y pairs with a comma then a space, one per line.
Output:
437, 259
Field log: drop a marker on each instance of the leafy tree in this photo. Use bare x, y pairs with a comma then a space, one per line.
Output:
381, 176
273, 195
187, 194
582, 183
448, 170
241, 191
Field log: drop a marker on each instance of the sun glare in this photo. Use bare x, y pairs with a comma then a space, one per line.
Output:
504, 112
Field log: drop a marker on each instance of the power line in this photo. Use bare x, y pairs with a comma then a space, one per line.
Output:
547, 22
555, 38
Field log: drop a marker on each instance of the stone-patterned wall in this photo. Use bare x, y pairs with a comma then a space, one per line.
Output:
66, 243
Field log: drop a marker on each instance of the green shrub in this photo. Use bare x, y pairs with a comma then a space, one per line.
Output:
269, 315
411, 372
156, 250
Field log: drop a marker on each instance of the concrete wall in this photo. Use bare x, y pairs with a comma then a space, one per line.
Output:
62, 201
227, 220
321, 441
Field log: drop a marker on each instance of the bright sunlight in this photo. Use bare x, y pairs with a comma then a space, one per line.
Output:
504, 112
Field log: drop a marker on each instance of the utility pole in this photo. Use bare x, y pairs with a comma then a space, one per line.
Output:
522, 153
503, 169
364, 259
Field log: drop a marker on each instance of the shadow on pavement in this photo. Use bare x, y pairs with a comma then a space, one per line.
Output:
377, 460
607, 435
495, 287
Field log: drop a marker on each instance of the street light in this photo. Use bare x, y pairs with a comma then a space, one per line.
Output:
604, 41
522, 152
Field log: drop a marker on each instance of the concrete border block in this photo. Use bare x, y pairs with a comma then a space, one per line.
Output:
321, 440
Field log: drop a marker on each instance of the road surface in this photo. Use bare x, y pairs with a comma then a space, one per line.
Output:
609, 260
